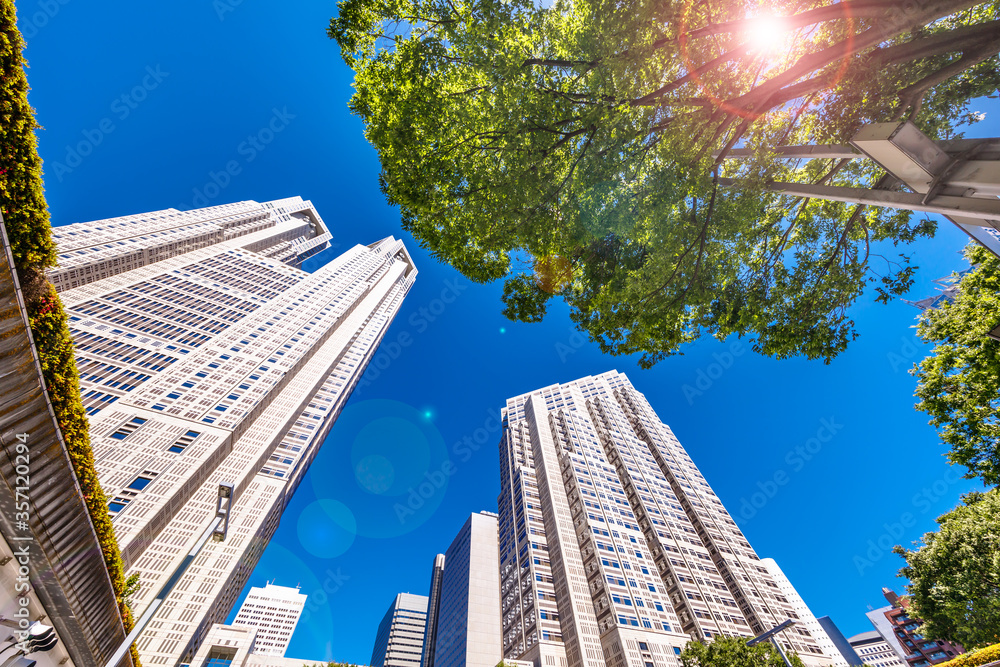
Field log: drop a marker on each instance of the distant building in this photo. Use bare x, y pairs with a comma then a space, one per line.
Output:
843, 646
875, 651
948, 288
805, 616
900, 631
400, 638
465, 598
273, 611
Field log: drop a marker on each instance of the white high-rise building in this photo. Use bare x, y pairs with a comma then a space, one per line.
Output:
614, 550
208, 357
273, 611
400, 638
803, 614
875, 651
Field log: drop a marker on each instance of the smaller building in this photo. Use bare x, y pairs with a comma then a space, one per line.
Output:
901, 631
273, 611
467, 623
400, 638
874, 650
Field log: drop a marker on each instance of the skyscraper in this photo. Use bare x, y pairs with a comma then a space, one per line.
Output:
433, 604
400, 637
273, 611
805, 615
613, 548
464, 626
207, 356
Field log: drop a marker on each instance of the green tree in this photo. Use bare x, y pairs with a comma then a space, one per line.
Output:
734, 652
959, 382
516, 137
955, 574
26, 221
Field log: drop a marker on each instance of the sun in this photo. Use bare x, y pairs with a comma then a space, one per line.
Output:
767, 33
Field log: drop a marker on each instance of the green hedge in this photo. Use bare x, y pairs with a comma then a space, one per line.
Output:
26, 218
976, 658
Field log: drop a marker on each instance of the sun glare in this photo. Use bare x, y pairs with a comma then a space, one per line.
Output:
767, 33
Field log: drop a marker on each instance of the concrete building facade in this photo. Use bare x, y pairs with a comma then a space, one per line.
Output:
875, 651
207, 356
805, 615
273, 611
466, 623
613, 548
233, 646
400, 638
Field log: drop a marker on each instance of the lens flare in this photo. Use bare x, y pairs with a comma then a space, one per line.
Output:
767, 33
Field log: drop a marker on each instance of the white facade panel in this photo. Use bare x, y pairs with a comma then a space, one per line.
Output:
208, 362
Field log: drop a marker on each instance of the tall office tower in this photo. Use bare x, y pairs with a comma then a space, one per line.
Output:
207, 357
466, 625
613, 548
433, 605
273, 611
875, 651
400, 638
805, 615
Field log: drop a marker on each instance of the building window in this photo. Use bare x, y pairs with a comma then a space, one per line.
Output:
183, 442
140, 483
117, 505
220, 656
128, 428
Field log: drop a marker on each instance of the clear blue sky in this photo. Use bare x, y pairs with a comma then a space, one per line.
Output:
201, 77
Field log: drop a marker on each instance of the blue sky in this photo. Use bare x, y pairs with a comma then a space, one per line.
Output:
143, 107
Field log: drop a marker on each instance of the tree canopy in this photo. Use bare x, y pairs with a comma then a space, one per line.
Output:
734, 652
570, 149
955, 574
959, 382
